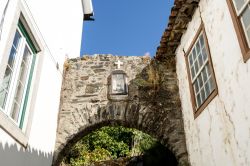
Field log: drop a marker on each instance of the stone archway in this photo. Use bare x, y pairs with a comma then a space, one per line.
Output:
152, 106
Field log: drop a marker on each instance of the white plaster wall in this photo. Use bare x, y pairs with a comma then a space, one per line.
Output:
57, 26
60, 23
220, 135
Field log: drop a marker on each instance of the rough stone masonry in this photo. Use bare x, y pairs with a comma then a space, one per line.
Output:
152, 104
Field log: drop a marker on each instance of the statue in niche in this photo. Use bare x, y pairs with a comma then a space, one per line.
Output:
118, 83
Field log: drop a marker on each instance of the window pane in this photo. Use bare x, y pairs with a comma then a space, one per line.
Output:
118, 83
202, 40
190, 60
208, 70
12, 57
196, 66
207, 89
24, 68
200, 81
198, 47
239, 4
19, 93
200, 60
196, 87
7, 78
15, 112
198, 100
204, 74
203, 95
3, 97
27, 55
246, 17
204, 54
192, 72
194, 54
16, 39
211, 84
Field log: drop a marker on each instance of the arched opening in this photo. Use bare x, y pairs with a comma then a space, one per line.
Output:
114, 145
152, 104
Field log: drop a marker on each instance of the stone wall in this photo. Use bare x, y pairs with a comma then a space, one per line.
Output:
152, 105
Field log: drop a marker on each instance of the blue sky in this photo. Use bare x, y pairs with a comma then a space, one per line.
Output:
125, 27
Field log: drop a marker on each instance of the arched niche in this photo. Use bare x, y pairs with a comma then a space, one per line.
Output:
118, 85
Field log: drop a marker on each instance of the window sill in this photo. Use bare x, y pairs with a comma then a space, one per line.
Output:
12, 129
246, 56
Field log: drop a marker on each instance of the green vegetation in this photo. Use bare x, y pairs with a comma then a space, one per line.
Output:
109, 143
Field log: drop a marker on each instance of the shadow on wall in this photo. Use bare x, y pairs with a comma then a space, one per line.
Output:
12, 155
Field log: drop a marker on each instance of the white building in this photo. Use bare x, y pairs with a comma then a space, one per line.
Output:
35, 38
213, 69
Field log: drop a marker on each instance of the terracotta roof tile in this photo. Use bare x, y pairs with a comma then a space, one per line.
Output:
181, 15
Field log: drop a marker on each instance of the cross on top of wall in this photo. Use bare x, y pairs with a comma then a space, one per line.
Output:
118, 63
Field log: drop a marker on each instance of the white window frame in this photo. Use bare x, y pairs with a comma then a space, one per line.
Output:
14, 80
18, 11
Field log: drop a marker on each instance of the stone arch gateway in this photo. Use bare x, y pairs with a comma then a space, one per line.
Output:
152, 105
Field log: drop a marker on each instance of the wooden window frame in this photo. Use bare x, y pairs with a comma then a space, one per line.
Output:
245, 49
211, 96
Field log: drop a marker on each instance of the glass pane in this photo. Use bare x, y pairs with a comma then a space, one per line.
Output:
208, 70
198, 98
239, 4
196, 66
248, 35
19, 94
3, 97
200, 81
211, 84
7, 78
204, 74
15, 112
194, 54
246, 17
204, 54
192, 72
17, 39
12, 57
203, 95
207, 89
200, 60
190, 60
23, 73
198, 47
27, 55
196, 87
202, 40
118, 83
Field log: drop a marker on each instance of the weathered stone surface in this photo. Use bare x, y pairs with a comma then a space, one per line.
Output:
152, 105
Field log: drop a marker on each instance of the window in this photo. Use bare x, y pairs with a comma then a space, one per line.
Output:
119, 85
201, 76
16, 79
240, 12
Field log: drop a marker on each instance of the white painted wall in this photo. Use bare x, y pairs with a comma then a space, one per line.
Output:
57, 25
220, 135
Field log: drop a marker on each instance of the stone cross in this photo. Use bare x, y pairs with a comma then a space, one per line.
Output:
119, 63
